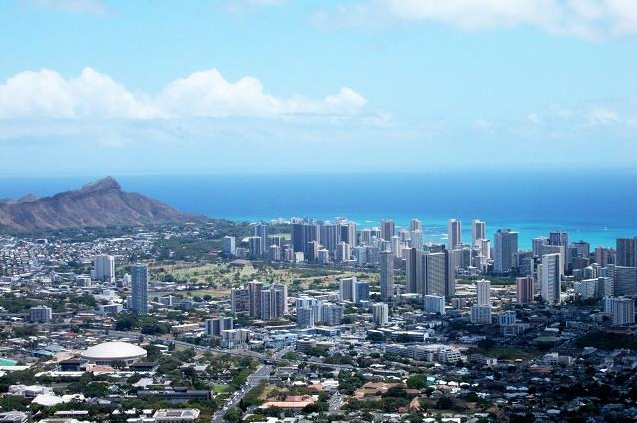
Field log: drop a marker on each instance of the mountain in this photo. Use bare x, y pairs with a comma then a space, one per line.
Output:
98, 204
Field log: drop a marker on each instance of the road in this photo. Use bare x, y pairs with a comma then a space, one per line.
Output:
261, 373
336, 402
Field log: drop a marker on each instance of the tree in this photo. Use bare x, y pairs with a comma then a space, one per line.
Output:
233, 416
417, 382
126, 322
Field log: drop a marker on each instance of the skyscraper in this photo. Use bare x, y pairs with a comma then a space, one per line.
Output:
621, 310
483, 288
551, 271
380, 313
104, 266
261, 230
347, 292
139, 282
626, 252
415, 225
524, 289
454, 233
434, 304
561, 238
330, 235
416, 239
624, 279
240, 300
254, 290
478, 231
537, 244
387, 229
386, 275
505, 245
413, 270
255, 245
440, 274
348, 233
229, 245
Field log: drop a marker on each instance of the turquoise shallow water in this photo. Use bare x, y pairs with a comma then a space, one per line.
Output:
591, 205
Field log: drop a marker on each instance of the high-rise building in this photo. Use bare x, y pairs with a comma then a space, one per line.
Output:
478, 231
104, 266
362, 291
41, 314
524, 289
330, 236
229, 245
331, 314
255, 245
537, 244
505, 246
254, 290
298, 236
481, 314
387, 229
624, 279
550, 275
139, 282
626, 252
348, 233
343, 252
561, 238
621, 310
386, 275
483, 288
274, 253
601, 256
347, 292
305, 317
440, 274
279, 298
415, 225
417, 239
261, 230
240, 300
454, 233
369, 236
213, 327
434, 304
413, 270
380, 313
396, 246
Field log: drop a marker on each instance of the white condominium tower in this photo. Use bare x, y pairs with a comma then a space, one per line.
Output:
483, 287
104, 266
550, 274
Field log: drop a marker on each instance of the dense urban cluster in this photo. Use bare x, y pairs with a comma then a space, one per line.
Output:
313, 321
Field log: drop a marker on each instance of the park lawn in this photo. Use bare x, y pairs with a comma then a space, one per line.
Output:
220, 388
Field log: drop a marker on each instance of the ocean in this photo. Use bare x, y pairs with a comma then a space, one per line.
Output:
595, 206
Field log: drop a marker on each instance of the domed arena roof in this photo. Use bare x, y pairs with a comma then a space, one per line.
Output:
114, 351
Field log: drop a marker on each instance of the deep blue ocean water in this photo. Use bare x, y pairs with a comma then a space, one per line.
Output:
597, 206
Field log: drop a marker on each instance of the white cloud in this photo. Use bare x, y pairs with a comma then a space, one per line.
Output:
603, 116
46, 93
83, 7
590, 19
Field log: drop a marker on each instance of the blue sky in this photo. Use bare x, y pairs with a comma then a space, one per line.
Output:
91, 86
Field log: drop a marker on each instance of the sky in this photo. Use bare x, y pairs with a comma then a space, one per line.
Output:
270, 86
